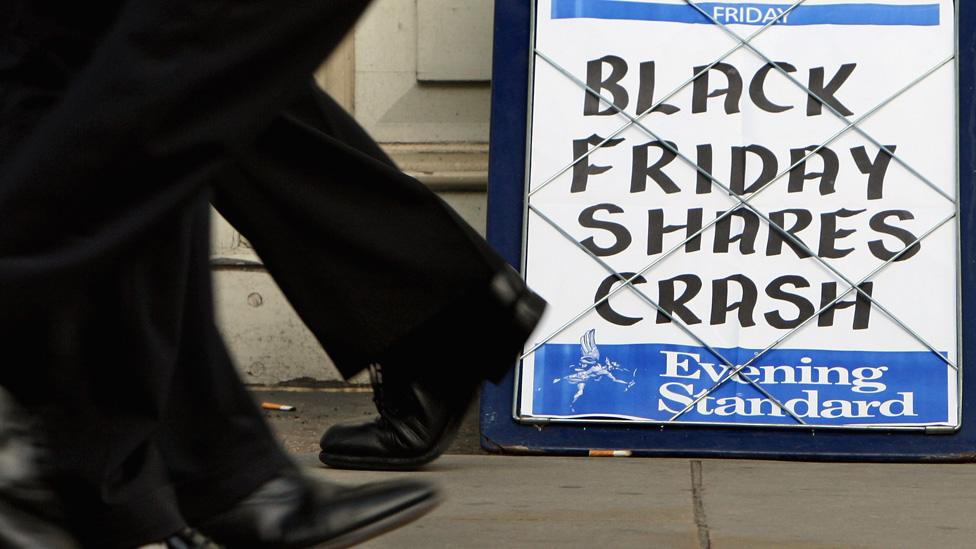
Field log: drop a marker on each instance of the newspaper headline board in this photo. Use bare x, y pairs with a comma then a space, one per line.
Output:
748, 225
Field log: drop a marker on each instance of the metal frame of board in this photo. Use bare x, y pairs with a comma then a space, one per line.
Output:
501, 431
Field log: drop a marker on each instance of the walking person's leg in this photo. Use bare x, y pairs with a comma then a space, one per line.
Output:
99, 247
383, 272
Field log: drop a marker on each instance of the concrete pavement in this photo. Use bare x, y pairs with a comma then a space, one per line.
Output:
504, 501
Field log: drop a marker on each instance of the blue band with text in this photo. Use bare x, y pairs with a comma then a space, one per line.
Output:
750, 13
824, 387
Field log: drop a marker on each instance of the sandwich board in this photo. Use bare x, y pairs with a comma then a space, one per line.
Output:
750, 220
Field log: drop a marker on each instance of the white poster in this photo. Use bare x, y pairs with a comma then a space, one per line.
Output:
820, 88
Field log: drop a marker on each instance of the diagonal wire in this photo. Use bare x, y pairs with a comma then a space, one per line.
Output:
677, 322
783, 338
741, 43
830, 107
874, 141
728, 212
741, 202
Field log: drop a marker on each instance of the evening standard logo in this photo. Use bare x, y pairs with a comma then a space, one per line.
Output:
659, 382
695, 376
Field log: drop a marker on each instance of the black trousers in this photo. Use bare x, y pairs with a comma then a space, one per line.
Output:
118, 123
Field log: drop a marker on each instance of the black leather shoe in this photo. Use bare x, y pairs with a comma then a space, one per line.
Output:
418, 421
420, 411
294, 511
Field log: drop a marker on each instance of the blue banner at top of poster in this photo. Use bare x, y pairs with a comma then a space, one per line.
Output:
655, 382
740, 13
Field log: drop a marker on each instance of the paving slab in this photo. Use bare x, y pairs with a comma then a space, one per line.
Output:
767, 504
505, 501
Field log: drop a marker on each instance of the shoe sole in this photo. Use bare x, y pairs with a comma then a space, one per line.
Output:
371, 464
384, 525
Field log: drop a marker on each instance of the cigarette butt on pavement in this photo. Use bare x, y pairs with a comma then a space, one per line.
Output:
277, 407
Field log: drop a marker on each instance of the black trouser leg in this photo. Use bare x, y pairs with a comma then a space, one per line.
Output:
365, 253
100, 254
214, 441
137, 394
172, 90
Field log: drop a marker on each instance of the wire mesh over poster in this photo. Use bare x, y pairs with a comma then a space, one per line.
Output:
743, 214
